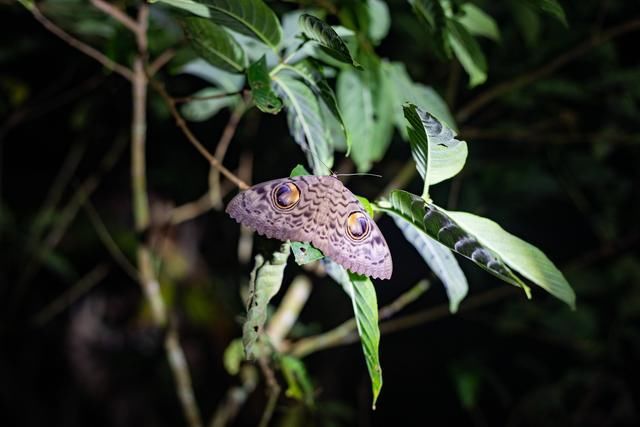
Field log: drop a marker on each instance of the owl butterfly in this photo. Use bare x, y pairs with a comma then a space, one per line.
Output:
317, 210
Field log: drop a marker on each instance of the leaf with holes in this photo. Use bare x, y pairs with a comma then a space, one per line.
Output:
436, 223
260, 83
266, 279
214, 44
330, 42
436, 151
365, 308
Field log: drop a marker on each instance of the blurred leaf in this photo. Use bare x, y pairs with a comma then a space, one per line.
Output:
299, 385
527, 20
424, 97
379, 20
467, 383
433, 15
435, 223
468, 52
230, 82
330, 42
365, 308
366, 204
233, 356
215, 45
523, 257
266, 279
260, 82
198, 110
440, 260
478, 22
299, 170
249, 17
305, 122
552, 7
436, 151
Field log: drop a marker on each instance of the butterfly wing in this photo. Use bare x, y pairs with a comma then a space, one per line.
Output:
320, 216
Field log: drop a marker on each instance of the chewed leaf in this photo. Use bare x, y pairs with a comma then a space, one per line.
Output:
266, 279
260, 82
304, 253
435, 223
330, 42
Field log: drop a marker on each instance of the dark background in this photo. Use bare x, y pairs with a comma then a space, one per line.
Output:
555, 162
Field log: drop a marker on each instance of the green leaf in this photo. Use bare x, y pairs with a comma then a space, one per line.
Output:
266, 279
305, 122
523, 257
424, 97
299, 170
440, 260
249, 17
433, 15
233, 356
436, 151
304, 253
552, 7
528, 22
365, 308
330, 42
260, 83
478, 22
468, 52
299, 385
198, 110
435, 223
366, 204
310, 73
230, 82
214, 44
379, 20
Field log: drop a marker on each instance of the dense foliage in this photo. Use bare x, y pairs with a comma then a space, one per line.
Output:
130, 297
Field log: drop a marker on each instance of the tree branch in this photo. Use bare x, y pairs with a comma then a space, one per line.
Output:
517, 82
81, 46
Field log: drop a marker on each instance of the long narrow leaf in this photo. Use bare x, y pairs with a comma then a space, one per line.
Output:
330, 42
435, 223
305, 122
214, 44
365, 308
440, 260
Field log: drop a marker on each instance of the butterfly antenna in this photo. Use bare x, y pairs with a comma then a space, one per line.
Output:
359, 174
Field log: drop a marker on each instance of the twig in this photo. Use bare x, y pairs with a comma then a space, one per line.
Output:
180, 122
288, 311
117, 14
161, 61
81, 46
507, 86
236, 397
71, 295
346, 333
274, 391
108, 242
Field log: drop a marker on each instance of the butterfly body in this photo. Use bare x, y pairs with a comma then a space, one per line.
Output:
319, 210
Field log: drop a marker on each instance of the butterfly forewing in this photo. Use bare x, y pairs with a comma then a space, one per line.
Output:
319, 215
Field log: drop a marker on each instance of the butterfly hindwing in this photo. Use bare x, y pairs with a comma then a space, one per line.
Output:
319, 210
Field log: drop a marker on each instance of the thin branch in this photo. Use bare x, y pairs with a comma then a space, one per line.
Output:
274, 391
507, 86
346, 333
161, 61
108, 242
71, 295
117, 14
180, 122
236, 397
81, 46
288, 311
